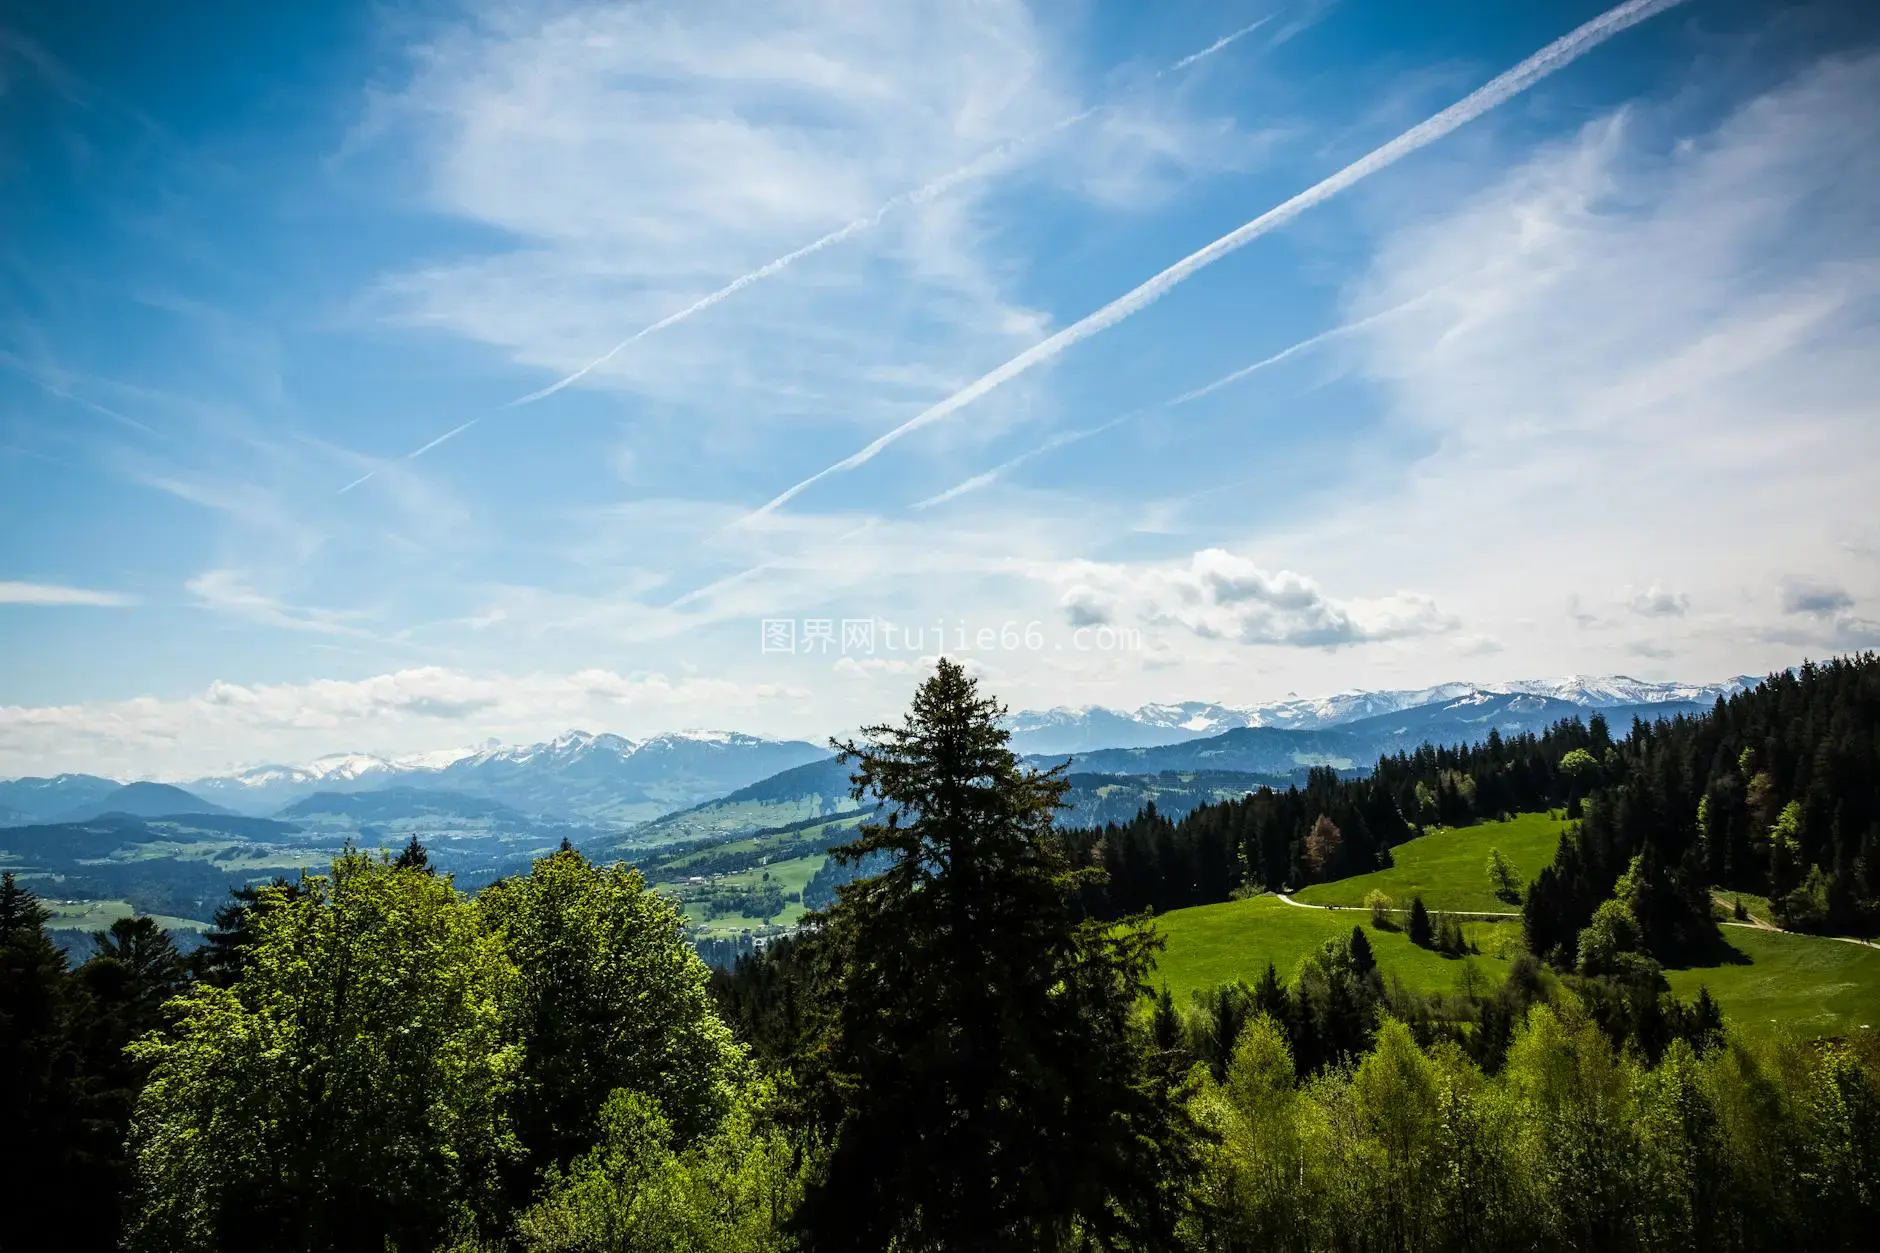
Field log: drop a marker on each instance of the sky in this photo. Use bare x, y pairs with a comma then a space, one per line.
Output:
390, 378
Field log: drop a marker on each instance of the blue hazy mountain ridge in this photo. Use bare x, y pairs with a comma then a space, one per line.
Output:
44, 799
1090, 728
605, 778
1077, 731
400, 804
820, 791
577, 777
56, 846
1243, 750
1469, 720
813, 790
142, 800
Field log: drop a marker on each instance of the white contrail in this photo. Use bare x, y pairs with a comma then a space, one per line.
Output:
1293, 350
972, 169
944, 183
998, 472
919, 195
1554, 56
413, 455
728, 580
1217, 45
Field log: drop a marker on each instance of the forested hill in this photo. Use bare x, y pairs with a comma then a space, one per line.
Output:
1774, 791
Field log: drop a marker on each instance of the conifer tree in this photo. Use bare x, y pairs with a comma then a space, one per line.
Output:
38, 1108
414, 856
990, 1090
1420, 930
1363, 960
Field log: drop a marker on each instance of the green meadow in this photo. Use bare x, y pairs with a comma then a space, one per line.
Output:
791, 876
1775, 980
1214, 944
1448, 868
99, 915
1768, 982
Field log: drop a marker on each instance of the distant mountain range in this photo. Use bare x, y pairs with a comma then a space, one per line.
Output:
598, 780
1066, 730
578, 777
177, 850
1356, 745
703, 784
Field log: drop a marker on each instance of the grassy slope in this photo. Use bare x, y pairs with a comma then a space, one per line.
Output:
763, 844
99, 915
1449, 867
1813, 984
791, 875
1777, 981
1215, 944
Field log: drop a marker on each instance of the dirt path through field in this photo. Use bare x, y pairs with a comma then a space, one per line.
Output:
1365, 909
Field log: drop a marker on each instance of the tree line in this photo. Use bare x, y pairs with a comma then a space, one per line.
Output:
1775, 791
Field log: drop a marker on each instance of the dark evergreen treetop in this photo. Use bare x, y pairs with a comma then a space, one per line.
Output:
988, 1088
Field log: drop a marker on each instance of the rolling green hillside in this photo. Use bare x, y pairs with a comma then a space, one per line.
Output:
1449, 868
1775, 980
1213, 944
1768, 982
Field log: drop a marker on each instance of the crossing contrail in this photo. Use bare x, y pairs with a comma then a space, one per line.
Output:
1217, 45
927, 191
1557, 55
988, 477
1000, 471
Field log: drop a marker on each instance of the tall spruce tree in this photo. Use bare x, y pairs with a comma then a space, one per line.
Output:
990, 1089
39, 1106
1420, 930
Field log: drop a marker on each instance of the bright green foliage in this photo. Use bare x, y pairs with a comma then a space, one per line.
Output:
1572, 1145
1581, 767
1379, 904
1502, 878
609, 997
641, 1190
1261, 1181
348, 1091
988, 1087
1613, 932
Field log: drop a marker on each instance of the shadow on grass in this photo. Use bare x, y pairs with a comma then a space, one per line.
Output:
1717, 952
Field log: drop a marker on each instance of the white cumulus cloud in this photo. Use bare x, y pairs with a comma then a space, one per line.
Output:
1220, 595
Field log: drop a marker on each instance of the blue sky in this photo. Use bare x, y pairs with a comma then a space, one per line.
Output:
1586, 384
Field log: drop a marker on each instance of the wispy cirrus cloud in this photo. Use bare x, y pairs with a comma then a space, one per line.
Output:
56, 594
1120, 141
1563, 51
1536, 372
643, 157
231, 592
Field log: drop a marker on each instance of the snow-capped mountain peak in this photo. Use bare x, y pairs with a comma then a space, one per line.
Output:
1064, 729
